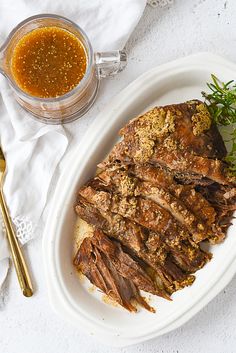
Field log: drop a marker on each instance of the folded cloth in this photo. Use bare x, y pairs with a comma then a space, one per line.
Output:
33, 150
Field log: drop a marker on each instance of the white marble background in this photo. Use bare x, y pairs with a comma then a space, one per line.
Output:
29, 325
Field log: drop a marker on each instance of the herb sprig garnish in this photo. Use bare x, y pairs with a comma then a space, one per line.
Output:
221, 103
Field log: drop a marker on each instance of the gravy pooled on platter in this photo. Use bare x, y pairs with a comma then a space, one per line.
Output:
48, 62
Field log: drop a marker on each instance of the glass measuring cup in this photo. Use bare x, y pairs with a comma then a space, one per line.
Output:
76, 102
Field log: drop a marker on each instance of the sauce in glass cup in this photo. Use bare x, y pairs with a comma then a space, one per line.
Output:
52, 69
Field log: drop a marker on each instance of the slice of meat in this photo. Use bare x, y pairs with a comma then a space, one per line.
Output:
194, 200
187, 256
187, 124
99, 259
177, 160
124, 263
181, 137
156, 175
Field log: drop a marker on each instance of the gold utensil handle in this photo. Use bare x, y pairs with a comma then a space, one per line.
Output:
17, 256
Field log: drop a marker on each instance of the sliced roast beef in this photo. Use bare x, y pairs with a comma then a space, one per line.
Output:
105, 264
161, 191
153, 249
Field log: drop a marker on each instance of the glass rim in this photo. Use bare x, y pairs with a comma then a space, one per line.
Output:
79, 86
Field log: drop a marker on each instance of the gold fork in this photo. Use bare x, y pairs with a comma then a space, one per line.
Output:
17, 256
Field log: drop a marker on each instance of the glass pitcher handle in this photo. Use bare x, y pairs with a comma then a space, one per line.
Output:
110, 63
1, 61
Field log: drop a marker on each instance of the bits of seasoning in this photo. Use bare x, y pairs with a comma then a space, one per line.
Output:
48, 62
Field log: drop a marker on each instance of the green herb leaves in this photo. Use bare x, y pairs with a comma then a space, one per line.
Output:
221, 103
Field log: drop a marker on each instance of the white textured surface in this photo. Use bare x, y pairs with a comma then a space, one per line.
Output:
29, 325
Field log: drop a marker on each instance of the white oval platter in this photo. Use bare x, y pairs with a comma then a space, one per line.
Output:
173, 82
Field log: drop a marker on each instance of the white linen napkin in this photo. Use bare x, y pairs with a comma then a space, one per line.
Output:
33, 150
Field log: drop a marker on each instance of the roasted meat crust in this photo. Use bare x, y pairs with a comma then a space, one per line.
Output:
181, 137
189, 126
